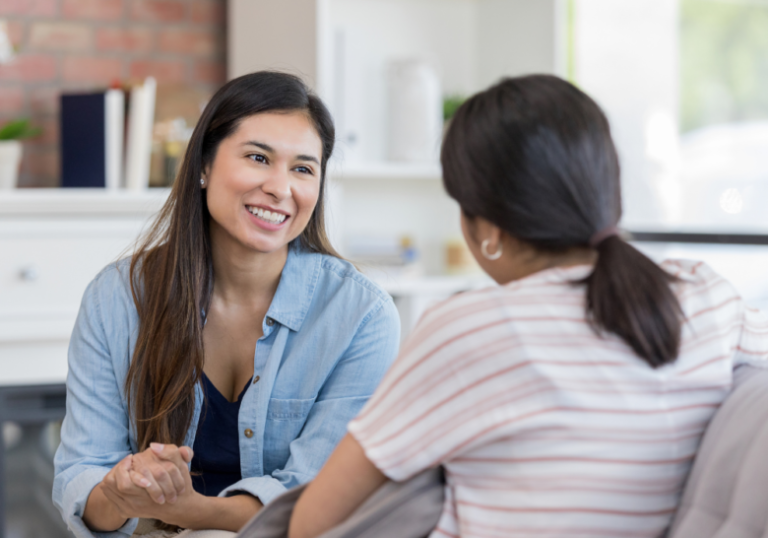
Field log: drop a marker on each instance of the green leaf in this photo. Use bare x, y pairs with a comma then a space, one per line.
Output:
19, 129
451, 104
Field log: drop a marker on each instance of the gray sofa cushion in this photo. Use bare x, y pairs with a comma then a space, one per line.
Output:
727, 491
408, 509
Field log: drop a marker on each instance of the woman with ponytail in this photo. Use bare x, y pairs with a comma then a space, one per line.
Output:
570, 400
219, 365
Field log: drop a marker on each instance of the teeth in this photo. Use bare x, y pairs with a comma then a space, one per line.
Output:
268, 216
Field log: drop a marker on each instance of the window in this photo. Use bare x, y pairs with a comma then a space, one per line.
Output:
685, 87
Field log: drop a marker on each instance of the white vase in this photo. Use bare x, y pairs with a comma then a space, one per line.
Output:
415, 112
10, 160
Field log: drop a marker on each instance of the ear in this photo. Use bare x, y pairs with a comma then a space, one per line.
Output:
486, 230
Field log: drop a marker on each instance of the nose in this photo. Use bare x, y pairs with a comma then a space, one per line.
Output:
277, 185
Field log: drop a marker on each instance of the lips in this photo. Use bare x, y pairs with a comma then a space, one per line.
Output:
270, 217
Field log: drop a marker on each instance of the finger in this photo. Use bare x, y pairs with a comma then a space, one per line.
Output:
168, 453
123, 483
176, 478
163, 479
187, 453
154, 490
139, 480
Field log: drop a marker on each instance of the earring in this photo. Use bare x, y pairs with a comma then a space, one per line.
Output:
484, 249
202, 182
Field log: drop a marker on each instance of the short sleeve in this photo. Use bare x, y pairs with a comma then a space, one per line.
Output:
752, 348
446, 393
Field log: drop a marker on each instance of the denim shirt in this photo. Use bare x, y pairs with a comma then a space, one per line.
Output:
328, 338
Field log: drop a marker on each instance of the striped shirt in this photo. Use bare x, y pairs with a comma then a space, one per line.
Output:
545, 428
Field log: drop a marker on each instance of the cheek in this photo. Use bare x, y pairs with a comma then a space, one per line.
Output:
305, 196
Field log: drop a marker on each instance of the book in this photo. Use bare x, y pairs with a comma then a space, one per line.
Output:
92, 127
138, 151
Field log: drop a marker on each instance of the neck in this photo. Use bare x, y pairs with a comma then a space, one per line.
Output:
242, 275
527, 261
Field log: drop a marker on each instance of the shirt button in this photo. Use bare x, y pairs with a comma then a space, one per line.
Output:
256, 379
248, 433
270, 322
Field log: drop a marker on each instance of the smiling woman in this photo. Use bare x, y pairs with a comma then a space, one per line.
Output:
219, 365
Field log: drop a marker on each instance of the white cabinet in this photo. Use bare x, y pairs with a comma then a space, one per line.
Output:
52, 244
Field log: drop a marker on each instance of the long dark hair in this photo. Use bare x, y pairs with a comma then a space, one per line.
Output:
534, 156
171, 272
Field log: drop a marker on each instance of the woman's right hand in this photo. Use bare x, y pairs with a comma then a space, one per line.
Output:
162, 471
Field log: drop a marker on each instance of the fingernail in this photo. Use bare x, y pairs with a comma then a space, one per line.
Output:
161, 499
145, 483
157, 447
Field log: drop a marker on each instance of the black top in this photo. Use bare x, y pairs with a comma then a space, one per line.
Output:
216, 462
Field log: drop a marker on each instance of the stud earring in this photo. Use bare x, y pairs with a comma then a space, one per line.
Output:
484, 250
202, 182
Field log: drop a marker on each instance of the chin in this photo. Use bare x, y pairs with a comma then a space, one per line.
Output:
265, 245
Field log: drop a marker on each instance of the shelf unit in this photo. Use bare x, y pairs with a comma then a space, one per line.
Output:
341, 48
384, 171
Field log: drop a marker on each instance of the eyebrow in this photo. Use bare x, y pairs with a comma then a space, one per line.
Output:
270, 149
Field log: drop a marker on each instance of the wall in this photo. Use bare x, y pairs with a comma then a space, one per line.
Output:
87, 44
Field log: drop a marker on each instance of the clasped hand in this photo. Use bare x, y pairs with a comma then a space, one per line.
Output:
153, 484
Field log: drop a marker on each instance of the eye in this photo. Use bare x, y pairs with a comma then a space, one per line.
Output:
305, 170
257, 157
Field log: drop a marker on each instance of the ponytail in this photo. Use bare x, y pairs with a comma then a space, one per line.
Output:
534, 156
630, 295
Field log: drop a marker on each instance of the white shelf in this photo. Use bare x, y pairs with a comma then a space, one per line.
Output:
385, 171
80, 202
433, 285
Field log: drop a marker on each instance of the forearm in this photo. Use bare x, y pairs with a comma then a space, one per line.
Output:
223, 513
101, 514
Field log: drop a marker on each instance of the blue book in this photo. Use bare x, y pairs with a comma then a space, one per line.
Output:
92, 126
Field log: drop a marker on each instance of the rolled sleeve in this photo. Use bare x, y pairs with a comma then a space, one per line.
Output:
264, 488
76, 495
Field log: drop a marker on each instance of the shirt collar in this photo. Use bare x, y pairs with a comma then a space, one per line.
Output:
296, 288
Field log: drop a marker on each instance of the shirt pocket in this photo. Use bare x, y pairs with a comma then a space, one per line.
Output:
285, 419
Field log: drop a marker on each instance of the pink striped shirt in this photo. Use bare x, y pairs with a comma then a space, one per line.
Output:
545, 428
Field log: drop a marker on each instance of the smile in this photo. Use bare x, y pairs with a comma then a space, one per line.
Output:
270, 217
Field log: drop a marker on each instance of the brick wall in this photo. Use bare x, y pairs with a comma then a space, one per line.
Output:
87, 44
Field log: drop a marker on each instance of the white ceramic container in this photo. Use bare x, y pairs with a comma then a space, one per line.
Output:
415, 112
10, 160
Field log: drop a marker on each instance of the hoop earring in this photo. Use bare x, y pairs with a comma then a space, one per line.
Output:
484, 249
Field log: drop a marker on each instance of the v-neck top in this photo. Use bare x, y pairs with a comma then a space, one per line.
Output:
327, 339
216, 462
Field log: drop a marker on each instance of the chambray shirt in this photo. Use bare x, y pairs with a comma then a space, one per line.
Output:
329, 336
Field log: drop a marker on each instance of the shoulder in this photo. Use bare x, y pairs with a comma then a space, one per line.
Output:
692, 271
696, 277
346, 275
113, 278
109, 293
334, 289
702, 291
339, 280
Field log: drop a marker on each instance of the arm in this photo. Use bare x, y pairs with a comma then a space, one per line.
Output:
124, 493
162, 472
342, 485
95, 431
350, 384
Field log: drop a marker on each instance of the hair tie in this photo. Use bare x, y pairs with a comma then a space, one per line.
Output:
602, 235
